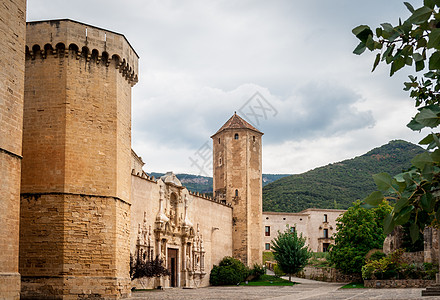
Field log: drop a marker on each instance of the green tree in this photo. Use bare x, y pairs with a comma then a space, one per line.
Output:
416, 41
358, 231
290, 252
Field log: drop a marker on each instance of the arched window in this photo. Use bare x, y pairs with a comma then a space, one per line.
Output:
236, 136
253, 138
236, 193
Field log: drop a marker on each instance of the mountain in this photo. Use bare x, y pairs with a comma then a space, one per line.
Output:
338, 185
203, 184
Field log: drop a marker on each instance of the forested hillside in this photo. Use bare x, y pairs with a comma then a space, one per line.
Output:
203, 184
338, 185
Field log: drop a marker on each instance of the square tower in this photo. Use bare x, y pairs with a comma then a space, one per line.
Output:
237, 168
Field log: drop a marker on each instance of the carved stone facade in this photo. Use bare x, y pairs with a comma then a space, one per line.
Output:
189, 232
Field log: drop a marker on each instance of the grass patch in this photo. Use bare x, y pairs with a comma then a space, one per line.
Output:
354, 285
269, 280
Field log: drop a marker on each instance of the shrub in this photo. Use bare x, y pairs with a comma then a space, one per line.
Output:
392, 266
377, 255
149, 268
257, 271
229, 271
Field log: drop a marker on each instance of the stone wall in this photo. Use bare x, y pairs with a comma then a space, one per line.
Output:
398, 283
327, 275
12, 45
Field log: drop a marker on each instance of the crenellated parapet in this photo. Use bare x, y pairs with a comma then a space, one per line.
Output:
64, 38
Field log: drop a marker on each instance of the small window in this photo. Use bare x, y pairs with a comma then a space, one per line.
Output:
267, 218
267, 246
284, 219
219, 140
253, 138
236, 136
267, 230
236, 193
220, 161
326, 233
325, 218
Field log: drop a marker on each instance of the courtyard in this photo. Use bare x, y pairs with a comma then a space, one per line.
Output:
307, 289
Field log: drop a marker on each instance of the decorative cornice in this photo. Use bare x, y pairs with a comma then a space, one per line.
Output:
67, 38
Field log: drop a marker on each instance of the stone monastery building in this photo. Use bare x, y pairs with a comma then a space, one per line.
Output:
75, 202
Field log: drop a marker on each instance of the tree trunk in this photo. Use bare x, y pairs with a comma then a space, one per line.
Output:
290, 276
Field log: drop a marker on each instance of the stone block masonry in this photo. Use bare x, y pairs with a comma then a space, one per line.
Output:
76, 185
12, 44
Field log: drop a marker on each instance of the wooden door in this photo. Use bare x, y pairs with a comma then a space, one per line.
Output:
172, 266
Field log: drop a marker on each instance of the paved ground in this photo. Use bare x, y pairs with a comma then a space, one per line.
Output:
307, 289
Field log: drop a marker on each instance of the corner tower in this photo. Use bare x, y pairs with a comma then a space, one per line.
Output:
12, 43
76, 184
237, 151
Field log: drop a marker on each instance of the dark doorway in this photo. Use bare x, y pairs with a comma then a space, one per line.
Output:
172, 266
325, 247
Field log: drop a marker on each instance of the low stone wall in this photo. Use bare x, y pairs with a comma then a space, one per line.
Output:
398, 283
327, 275
414, 257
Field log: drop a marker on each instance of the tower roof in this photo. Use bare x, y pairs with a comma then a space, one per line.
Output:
236, 122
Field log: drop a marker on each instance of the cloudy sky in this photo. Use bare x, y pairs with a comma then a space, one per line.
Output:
289, 62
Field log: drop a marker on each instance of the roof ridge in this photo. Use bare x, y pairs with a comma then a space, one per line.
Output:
236, 122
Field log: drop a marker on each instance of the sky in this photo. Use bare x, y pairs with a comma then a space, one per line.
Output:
285, 66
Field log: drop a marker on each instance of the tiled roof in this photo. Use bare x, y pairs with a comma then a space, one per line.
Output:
237, 122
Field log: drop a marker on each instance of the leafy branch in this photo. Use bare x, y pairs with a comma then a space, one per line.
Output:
415, 41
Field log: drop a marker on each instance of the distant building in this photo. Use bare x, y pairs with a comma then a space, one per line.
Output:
316, 225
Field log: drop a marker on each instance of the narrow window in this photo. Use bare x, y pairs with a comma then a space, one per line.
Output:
219, 140
220, 161
236, 136
267, 231
253, 138
236, 193
267, 246
325, 218
326, 233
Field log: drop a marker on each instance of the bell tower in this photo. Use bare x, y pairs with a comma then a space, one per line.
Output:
237, 168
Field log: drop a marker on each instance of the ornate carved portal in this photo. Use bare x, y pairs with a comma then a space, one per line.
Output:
173, 237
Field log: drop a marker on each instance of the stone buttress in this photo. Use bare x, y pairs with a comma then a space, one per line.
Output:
12, 44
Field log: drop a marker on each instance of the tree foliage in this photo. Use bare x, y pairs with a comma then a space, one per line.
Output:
358, 231
416, 41
290, 251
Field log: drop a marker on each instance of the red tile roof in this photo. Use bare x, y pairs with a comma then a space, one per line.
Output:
237, 122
